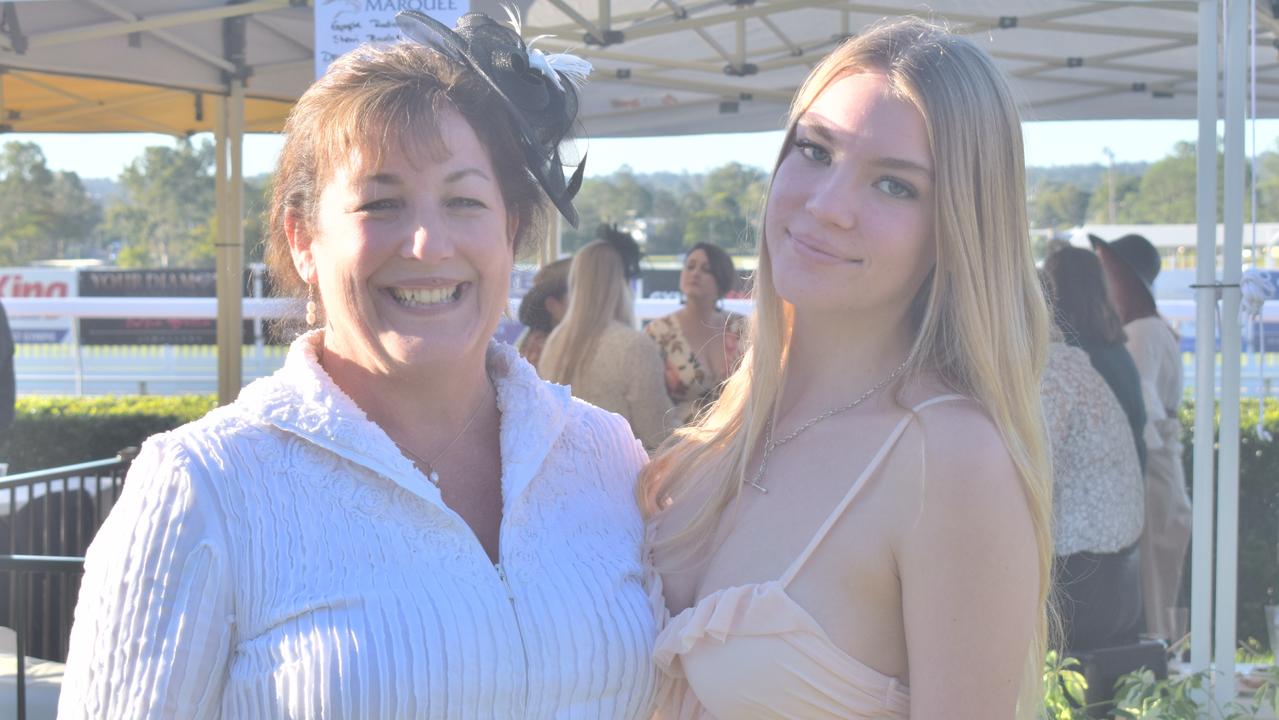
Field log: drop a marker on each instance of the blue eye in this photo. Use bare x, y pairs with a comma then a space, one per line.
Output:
896, 188
813, 151
379, 205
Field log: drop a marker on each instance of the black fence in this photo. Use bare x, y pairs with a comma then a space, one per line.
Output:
52, 513
47, 520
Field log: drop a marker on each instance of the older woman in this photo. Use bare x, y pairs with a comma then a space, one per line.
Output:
701, 344
404, 521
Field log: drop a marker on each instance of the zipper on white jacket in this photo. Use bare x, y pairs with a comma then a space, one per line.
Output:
519, 628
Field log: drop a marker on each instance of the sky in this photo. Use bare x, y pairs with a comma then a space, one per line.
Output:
1047, 144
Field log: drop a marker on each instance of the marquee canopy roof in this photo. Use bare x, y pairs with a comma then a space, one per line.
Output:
663, 66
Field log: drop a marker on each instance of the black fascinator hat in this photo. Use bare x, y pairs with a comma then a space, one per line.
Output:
625, 246
542, 98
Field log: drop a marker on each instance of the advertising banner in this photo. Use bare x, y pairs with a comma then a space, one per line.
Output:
163, 283
38, 283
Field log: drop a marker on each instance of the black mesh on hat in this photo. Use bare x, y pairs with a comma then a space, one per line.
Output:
543, 109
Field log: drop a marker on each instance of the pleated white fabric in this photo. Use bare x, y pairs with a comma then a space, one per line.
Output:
280, 559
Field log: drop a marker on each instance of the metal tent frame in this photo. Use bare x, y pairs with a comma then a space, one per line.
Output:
697, 66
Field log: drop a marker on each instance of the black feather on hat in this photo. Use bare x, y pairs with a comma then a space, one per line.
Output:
625, 246
541, 96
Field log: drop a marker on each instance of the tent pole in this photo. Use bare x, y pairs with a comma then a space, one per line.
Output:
230, 250
1205, 350
220, 236
1236, 70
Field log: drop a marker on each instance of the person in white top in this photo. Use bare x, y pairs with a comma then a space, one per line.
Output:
404, 521
1131, 264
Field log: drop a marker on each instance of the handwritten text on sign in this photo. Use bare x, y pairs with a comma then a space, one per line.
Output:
341, 25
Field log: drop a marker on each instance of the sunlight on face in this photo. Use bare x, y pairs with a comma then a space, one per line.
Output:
849, 224
414, 256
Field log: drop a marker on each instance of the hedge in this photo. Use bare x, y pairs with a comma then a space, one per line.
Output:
1258, 583
53, 431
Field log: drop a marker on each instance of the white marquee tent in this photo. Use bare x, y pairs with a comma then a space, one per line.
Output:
680, 66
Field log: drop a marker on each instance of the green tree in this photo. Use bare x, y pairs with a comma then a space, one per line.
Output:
1167, 190
1057, 205
620, 198
1268, 185
43, 214
733, 195
257, 200
166, 216
1167, 193
667, 221
1126, 187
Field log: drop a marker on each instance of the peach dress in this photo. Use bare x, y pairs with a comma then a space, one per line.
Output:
752, 652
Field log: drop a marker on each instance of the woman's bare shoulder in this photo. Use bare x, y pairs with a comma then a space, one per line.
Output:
956, 477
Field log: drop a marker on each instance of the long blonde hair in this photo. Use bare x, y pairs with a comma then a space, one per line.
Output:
598, 294
980, 318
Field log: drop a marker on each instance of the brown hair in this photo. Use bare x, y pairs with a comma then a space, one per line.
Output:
721, 266
380, 99
1079, 298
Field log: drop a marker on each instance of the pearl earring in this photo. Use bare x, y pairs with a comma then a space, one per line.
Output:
310, 305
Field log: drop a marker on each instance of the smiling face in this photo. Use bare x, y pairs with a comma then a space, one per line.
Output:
413, 257
849, 223
696, 279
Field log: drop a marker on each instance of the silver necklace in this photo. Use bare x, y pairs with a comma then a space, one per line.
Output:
770, 444
429, 465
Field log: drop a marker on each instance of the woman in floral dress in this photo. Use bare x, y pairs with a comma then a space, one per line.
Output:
701, 344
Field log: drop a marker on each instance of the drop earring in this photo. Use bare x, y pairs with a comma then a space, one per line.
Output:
310, 305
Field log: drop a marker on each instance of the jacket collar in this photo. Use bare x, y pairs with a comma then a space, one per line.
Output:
301, 399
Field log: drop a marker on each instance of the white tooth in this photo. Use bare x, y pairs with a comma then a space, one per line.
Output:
424, 296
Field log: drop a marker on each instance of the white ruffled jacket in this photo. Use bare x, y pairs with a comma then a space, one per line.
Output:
280, 559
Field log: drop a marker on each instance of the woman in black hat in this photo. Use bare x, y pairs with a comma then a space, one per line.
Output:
404, 521
1131, 264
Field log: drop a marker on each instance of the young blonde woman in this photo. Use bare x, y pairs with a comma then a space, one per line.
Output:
860, 527
597, 351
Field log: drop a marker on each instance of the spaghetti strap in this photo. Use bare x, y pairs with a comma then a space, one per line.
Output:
838, 512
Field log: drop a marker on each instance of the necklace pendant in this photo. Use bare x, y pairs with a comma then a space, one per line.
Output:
434, 477
757, 486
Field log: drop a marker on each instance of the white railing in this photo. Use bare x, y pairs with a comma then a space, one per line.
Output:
70, 368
